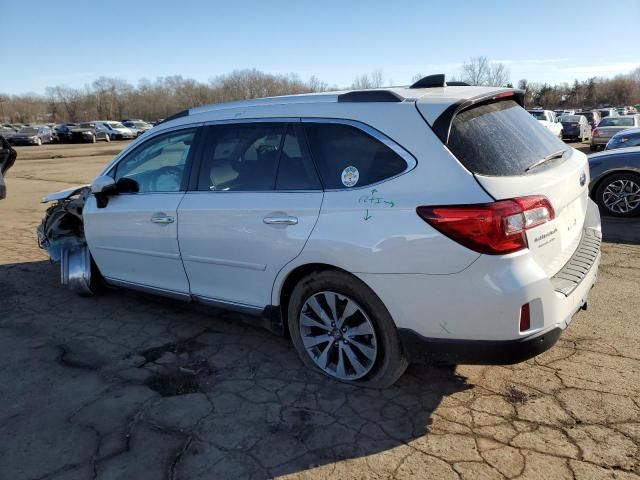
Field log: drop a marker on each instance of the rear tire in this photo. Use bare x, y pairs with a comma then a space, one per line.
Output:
361, 347
618, 195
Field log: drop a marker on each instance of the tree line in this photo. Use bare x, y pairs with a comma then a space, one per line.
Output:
113, 98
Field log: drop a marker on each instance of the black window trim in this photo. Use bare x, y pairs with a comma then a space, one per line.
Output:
298, 122
194, 154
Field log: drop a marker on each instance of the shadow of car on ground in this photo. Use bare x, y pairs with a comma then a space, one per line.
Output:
132, 384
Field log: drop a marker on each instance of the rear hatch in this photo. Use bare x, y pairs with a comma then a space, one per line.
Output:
505, 148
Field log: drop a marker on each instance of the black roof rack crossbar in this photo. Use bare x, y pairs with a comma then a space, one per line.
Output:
360, 96
435, 81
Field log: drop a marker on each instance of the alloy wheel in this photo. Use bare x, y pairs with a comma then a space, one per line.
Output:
621, 196
338, 335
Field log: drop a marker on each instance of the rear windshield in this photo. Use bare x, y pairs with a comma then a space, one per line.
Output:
617, 122
501, 139
570, 118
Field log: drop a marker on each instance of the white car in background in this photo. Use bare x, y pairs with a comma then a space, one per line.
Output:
115, 130
549, 120
366, 225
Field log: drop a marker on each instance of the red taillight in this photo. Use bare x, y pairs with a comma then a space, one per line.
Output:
594, 132
492, 228
525, 318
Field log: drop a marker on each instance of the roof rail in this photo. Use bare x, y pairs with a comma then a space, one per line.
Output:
369, 96
183, 113
437, 80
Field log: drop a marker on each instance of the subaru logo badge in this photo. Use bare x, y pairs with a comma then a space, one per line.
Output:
583, 179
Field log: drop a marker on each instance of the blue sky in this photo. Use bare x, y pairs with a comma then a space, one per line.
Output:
73, 42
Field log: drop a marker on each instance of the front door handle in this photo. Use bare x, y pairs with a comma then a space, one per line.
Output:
280, 220
161, 218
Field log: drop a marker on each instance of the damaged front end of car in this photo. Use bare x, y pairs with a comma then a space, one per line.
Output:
61, 234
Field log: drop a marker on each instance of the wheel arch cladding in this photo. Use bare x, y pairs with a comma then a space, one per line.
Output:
293, 278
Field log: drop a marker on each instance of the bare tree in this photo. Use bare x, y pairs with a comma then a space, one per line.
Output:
498, 75
476, 71
114, 99
480, 71
377, 79
373, 80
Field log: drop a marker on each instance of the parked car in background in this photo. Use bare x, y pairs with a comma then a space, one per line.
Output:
624, 139
622, 111
615, 181
592, 116
575, 127
115, 130
36, 135
12, 126
88, 132
63, 130
608, 112
7, 159
7, 132
138, 126
548, 119
609, 126
352, 229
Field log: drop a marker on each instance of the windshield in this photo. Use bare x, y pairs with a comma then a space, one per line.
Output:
617, 122
570, 118
539, 115
501, 139
29, 130
86, 125
140, 124
116, 125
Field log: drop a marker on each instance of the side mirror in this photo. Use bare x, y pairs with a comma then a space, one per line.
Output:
104, 185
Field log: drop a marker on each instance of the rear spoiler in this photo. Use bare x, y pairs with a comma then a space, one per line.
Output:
442, 125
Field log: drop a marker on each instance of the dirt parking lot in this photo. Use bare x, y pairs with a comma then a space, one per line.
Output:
126, 386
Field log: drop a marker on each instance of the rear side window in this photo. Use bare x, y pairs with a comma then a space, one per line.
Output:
501, 139
348, 157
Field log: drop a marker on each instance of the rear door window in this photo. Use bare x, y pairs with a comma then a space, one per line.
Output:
348, 157
295, 169
241, 157
501, 139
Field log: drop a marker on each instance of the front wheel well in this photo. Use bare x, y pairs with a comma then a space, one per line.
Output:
292, 280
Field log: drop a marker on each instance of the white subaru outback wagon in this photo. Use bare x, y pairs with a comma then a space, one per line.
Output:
373, 227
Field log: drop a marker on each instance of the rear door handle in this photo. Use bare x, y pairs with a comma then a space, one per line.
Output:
161, 218
280, 220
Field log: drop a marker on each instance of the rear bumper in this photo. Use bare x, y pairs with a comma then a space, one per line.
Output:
600, 140
473, 316
570, 133
419, 349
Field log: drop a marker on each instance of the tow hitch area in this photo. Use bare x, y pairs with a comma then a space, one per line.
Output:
61, 234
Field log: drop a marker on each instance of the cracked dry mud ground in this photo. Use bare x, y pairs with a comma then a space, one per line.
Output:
126, 386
